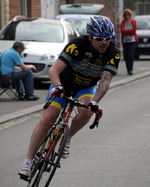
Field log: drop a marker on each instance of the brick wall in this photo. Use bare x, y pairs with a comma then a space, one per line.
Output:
33, 8
14, 8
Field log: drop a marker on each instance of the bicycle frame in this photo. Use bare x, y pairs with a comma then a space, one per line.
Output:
64, 118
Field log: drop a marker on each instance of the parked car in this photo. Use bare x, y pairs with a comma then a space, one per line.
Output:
79, 21
81, 8
43, 38
79, 14
143, 32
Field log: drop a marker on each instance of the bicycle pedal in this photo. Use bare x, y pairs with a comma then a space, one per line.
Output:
59, 166
48, 169
46, 150
25, 178
38, 154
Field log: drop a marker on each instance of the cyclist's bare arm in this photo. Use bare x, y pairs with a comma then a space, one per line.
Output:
103, 85
55, 71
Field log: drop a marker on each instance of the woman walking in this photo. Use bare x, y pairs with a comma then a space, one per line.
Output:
128, 29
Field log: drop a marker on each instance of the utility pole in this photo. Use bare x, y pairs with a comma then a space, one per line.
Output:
49, 8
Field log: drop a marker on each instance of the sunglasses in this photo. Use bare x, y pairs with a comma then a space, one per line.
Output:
127, 14
101, 39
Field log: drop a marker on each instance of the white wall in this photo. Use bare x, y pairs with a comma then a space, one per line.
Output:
49, 8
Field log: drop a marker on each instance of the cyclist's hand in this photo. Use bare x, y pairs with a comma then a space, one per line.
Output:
93, 106
59, 90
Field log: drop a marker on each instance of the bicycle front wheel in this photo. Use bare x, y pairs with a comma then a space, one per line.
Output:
38, 161
52, 162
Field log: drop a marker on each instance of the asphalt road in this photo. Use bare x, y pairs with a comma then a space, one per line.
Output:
114, 155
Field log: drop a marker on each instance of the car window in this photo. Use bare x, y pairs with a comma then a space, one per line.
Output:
70, 31
79, 24
143, 24
33, 31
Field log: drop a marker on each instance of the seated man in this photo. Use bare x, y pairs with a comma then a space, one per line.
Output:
13, 67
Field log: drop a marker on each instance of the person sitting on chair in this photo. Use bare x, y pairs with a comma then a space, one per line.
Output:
13, 67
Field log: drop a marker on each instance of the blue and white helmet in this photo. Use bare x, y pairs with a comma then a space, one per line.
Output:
100, 26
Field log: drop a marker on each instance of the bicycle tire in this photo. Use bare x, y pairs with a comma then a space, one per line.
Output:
48, 169
38, 161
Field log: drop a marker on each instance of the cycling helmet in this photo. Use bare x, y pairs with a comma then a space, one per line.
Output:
100, 26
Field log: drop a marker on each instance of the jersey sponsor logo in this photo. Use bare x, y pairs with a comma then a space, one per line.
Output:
87, 57
98, 62
111, 62
72, 49
81, 81
117, 56
86, 68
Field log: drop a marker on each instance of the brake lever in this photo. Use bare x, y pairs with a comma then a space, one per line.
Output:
97, 119
50, 100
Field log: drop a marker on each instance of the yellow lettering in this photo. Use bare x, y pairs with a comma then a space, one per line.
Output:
71, 48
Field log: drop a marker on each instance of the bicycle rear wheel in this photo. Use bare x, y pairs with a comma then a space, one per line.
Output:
38, 161
53, 160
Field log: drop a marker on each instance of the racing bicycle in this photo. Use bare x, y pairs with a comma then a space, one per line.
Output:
47, 159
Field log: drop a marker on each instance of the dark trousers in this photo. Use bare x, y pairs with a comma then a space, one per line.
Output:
128, 52
23, 81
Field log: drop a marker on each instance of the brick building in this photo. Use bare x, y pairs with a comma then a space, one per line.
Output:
9, 9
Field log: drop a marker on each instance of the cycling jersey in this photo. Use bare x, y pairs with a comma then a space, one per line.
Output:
85, 65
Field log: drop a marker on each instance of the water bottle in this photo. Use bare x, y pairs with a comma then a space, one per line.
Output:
56, 129
53, 134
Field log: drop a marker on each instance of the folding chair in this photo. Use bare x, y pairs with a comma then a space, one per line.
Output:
7, 87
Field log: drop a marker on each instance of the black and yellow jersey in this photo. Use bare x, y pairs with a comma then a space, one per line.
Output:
85, 65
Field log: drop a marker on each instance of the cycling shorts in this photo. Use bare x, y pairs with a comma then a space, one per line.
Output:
59, 102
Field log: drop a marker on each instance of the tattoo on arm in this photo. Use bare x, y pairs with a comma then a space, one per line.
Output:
103, 85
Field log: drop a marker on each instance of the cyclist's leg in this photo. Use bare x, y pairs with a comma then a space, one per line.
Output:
39, 133
48, 119
83, 116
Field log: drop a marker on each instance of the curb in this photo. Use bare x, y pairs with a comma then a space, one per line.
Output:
37, 108
21, 113
129, 79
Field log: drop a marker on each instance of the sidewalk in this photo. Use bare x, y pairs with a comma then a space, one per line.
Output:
15, 109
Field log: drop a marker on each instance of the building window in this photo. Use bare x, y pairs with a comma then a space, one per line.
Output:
143, 8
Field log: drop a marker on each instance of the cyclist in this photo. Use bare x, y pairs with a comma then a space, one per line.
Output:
82, 63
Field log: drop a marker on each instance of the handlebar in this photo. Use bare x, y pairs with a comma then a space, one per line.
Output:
75, 102
50, 100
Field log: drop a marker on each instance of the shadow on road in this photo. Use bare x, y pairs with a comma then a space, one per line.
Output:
41, 85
